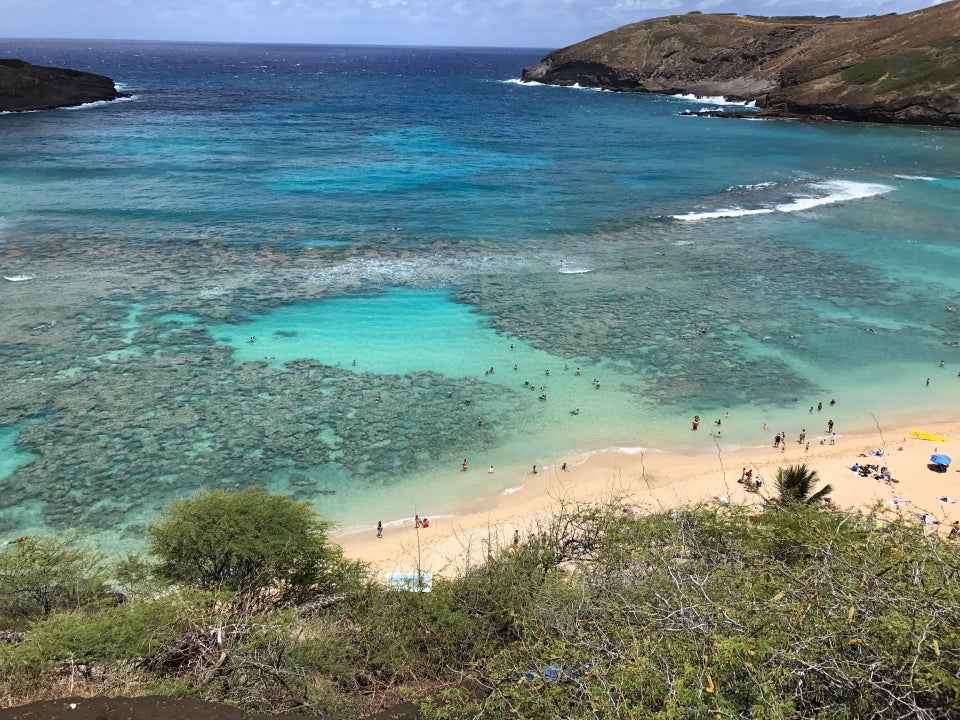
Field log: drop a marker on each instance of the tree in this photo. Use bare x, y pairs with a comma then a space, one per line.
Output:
795, 483
250, 542
41, 573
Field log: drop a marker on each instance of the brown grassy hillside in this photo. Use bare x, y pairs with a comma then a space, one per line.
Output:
893, 68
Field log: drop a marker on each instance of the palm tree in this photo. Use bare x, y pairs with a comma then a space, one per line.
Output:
795, 483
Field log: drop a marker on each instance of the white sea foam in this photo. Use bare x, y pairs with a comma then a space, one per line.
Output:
828, 192
916, 177
716, 100
754, 186
84, 106
99, 103
632, 450
512, 490
837, 191
723, 213
534, 83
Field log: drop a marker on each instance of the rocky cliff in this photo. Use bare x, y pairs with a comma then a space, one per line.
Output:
892, 68
34, 87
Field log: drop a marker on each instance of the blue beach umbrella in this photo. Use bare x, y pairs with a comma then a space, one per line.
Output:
940, 459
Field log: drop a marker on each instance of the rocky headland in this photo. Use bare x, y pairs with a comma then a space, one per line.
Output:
888, 69
36, 87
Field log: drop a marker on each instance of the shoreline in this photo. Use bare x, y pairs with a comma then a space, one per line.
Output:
654, 480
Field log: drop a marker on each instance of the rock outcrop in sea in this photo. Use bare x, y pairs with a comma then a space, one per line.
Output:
889, 69
36, 87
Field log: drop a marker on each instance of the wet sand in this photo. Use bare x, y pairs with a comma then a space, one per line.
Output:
656, 481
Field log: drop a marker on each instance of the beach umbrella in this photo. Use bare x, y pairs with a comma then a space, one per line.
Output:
940, 459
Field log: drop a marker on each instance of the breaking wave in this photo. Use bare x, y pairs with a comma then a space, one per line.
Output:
716, 100
827, 192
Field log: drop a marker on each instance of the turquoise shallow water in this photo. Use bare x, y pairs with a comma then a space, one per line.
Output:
420, 212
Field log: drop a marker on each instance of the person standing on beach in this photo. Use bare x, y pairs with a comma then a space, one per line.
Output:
776, 440
379, 528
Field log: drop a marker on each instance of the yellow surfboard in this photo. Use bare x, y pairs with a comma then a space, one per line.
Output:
927, 436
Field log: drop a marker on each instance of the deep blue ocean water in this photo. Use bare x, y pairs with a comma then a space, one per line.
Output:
297, 266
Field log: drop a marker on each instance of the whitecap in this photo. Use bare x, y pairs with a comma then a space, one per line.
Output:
98, 103
512, 490
916, 177
18, 278
533, 83
752, 186
837, 191
722, 213
574, 270
716, 100
828, 192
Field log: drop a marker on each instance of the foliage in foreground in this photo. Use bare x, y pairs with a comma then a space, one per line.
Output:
791, 613
40, 574
708, 611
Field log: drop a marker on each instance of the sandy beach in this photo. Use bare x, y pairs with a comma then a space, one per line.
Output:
654, 481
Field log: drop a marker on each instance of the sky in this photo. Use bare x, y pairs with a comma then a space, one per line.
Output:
483, 23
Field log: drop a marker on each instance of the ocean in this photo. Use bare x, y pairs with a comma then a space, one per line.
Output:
337, 272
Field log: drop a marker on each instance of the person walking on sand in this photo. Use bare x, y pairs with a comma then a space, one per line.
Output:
379, 528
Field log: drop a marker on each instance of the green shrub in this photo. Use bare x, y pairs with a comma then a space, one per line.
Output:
43, 573
251, 542
720, 611
943, 42
903, 69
